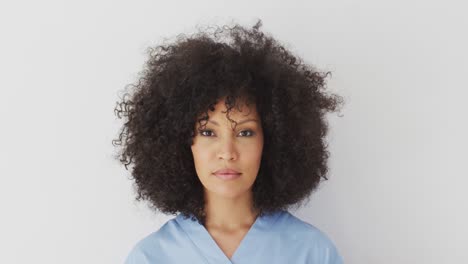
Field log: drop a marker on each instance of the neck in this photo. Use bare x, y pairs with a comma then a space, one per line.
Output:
229, 213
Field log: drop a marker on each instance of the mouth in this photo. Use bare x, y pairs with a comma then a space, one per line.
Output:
227, 176
226, 171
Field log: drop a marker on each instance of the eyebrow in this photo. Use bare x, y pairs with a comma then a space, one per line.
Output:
238, 123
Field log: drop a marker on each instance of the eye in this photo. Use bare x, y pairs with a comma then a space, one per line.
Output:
250, 132
203, 132
207, 133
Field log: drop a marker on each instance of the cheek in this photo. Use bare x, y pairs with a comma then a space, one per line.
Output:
257, 147
253, 153
200, 157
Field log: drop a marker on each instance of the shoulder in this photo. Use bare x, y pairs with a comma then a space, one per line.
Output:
296, 228
153, 246
308, 237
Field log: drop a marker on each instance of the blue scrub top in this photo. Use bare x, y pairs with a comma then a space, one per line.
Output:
279, 237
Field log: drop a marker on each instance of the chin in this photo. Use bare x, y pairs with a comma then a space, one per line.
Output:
229, 191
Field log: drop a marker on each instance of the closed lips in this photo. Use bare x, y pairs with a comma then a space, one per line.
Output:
226, 171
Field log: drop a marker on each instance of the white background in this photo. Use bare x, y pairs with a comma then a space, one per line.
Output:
398, 165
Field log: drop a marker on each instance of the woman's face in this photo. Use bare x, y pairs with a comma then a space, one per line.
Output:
219, 146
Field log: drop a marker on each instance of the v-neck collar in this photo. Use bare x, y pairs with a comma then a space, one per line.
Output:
210, 250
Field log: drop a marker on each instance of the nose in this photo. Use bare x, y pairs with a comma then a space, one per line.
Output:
227, 150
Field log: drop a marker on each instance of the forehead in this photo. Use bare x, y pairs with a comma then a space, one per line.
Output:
238, 114
240, 111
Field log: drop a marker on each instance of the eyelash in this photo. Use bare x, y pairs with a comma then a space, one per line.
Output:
208, 130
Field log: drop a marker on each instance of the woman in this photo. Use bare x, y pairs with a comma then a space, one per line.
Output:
226, 131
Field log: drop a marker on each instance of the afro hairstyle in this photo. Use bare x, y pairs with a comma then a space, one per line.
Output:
182, 80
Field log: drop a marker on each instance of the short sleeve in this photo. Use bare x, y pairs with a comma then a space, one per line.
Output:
323, 249
136, 256
333, 255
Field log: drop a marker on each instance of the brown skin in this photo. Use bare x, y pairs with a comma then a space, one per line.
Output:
228, 203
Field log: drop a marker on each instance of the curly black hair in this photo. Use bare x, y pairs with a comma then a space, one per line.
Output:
182, 80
